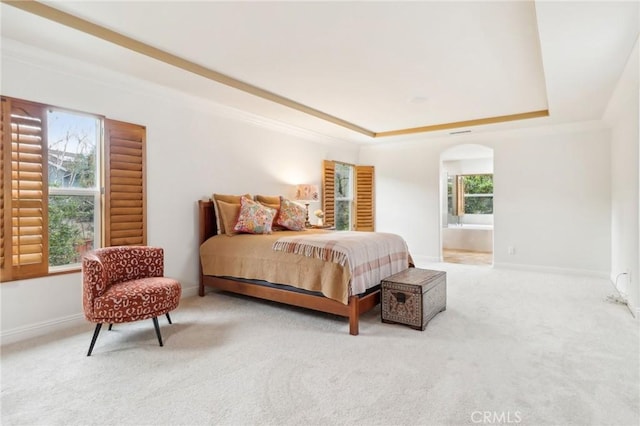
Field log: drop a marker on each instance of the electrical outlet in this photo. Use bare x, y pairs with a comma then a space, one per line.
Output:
511, 250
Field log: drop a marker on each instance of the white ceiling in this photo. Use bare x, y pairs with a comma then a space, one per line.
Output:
382, 66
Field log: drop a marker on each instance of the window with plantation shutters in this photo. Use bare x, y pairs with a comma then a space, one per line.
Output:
53, 163
125, 201
348, 196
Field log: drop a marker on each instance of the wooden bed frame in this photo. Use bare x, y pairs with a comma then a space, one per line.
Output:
357, 304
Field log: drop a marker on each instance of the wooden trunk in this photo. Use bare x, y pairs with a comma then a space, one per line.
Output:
413, 297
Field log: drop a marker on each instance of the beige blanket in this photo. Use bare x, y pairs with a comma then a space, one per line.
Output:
370, 256
252, 257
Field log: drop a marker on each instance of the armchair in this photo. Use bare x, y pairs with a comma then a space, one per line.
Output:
125, 284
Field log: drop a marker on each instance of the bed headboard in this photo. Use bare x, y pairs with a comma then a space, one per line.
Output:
207, 221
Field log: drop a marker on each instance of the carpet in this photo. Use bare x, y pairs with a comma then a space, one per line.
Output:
512, 347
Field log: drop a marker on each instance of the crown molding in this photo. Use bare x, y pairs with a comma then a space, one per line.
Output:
33, 56
56, 15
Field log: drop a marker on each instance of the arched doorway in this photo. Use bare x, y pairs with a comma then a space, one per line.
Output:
467, 204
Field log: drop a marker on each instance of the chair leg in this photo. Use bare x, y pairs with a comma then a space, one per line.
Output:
95, 336
169, 318
157, 326
110, 325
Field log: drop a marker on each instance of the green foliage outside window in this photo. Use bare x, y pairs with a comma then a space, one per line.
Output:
478, 194
342, 215
70, 228
478, 184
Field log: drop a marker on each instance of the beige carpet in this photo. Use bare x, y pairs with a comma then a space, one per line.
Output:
512, 347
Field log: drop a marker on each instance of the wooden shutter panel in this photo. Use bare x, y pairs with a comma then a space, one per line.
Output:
459, 207
329, 192
364, 198
125, 184
29, 194
5, 139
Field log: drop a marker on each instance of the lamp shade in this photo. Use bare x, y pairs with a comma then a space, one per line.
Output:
307, 192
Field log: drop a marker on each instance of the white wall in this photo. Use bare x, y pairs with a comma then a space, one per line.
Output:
553, 199
622, 114
556, 201
472, 238
468, 166
551, 195
192, 151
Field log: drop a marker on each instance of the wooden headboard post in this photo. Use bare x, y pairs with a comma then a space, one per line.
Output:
207, 221
207, 227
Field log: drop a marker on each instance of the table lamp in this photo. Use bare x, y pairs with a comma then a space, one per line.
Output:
307, 193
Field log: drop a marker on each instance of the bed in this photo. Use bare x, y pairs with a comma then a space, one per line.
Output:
307, 282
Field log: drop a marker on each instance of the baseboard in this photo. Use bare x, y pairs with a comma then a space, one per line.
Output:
189, 291
420, 260
41, 328
551, 269
45, 327
635, 310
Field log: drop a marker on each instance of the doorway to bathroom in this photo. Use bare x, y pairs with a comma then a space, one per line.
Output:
467, 205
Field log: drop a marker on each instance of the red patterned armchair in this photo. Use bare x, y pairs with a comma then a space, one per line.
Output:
125, 284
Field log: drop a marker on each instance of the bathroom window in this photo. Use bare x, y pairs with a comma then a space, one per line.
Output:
477, 194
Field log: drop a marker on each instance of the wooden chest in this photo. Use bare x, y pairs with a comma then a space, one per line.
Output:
413, 297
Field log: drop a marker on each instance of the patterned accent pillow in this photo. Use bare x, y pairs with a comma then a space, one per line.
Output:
291, 215
274, 225
254, 218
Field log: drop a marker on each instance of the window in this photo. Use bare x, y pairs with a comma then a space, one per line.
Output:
343, 196
474, 194
347, 196
73, 178
54, 164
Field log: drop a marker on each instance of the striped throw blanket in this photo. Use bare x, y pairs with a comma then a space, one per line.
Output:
370, 256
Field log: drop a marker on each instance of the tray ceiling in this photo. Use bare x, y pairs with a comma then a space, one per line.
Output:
356, 70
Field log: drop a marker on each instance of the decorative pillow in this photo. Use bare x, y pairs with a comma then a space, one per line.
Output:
291, 215
276, 207
233, 199
268, 199
254, 218
229, 216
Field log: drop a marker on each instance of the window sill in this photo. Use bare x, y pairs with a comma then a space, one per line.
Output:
60, 270
67, 269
